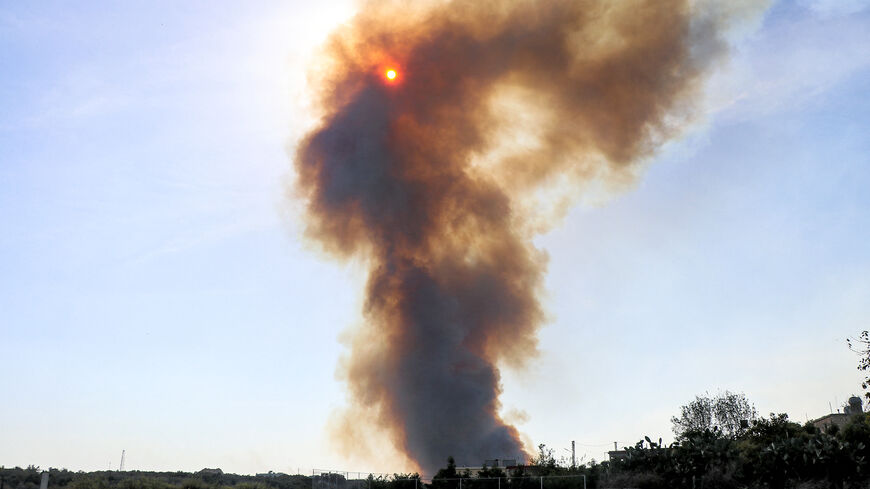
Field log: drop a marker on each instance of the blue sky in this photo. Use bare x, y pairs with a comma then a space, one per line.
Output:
155, 294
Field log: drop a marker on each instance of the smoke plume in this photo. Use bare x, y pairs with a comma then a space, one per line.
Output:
439, 178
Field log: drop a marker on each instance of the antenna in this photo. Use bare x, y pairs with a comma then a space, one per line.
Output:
123, 455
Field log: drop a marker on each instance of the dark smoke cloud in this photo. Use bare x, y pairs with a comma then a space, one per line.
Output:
425, 179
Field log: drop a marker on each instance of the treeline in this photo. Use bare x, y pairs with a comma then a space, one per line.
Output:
30, 477
771, 453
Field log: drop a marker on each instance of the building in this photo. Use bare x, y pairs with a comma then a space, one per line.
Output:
506, 465
271, 474
840, 420
617, 455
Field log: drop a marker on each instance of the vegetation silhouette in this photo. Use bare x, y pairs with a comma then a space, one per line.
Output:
721, 443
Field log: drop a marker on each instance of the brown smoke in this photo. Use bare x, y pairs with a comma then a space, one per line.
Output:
428, 179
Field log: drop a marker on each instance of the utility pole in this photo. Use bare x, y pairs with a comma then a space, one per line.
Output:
573, 456
121, 466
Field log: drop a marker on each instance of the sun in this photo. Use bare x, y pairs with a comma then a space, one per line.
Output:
391, 74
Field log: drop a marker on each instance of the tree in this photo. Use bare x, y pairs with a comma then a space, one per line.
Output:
446, 478
861, 346
545, 458
727, 412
